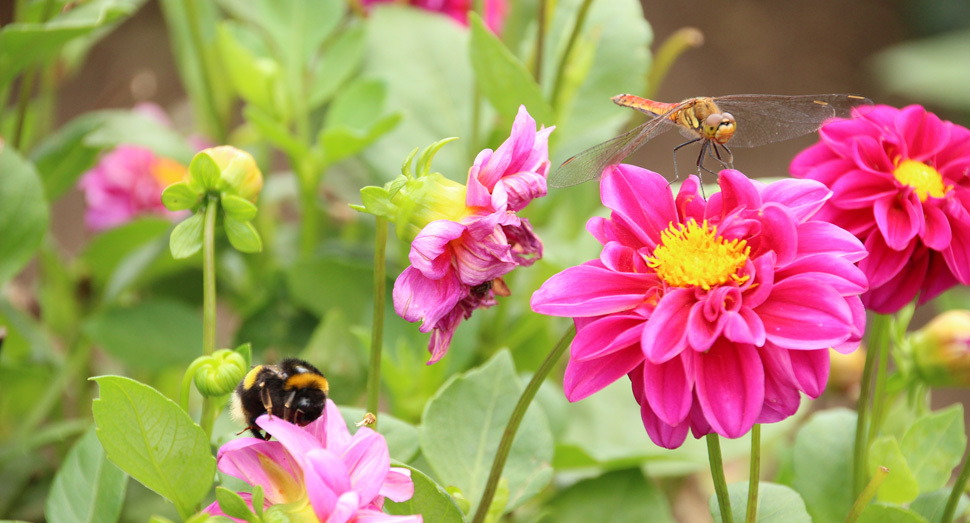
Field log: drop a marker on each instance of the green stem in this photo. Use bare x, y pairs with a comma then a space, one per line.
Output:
210, 410
956, 493
187, 382
209, 277
754, 474
505, 445
23, 103
862, 423
862, 501
717, 474
206, 70
540, 40
675, 45
377, 327
879, 393
561, 70
43, 405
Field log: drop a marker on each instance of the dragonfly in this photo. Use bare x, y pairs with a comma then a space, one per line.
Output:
744, 120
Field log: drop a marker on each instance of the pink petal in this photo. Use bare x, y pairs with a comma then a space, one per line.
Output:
294, 439
429, 250
811, 368
781, 400
606, 335
957, 255
860, 189
243, 458
804, 313
730, 387
345, 509
839, 273
708, 316
935, 230
824, 237
330, 429
662, 434
591, 290
669, 388
418, 298
737, 191
883, 263
665, 335
640, 199
368, 461
902, 288
583, 378
744, 326
802, 197
326, 479
779, 233
398, 485
858, 326
898, 219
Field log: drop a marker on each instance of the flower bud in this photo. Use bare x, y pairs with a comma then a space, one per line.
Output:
941, 350
426, 199
845, 370
239, 174
218, 374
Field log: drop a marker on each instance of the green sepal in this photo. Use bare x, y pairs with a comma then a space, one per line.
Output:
424, 161
233, 505
257, 490
204, 173
376, 201
242, 235
179, 196
186, 238
238, 208
246, 351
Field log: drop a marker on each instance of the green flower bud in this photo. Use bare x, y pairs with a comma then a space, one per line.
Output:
941, 350
426, 199
239, 174
218, 374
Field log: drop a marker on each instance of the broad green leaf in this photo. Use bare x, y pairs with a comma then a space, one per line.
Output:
358, 106
323, 283
151, 335
133, 128
63, 156
900, 485
776, 504
186, 238
823, 464
929, 70
880, 513
401, 436
238, 208
340, 61
254, 77
933, 446
275, 132
23, 212
148, 436
431, 501
179, 197
614, 497
931, 505
462, 426
503, 79
242, 235
343, 142
87, 486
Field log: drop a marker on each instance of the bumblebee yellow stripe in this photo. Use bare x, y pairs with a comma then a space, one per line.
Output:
307, 381
250, 378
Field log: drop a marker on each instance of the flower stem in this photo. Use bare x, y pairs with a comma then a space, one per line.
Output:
956, 493
205, 72
861, 450
754, 475
377, 327
862, 501
717, 474
505, 445
561, 70
879, 391
540, 40
209, 277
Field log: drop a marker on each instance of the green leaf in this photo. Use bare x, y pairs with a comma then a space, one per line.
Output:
323, 283
776, 504
238, 208
233, 505
823, 464
87, 487
430, 500
929, 69
63, 156
204, 173
933, 446
354, 121
340, 61
880, 513
931, 505
462, 426
133, 128
628, 495
503, 79
342, 142
186, 237
254, 77
23, 212
179, 197
401, 436
151, 335
275, 132
242, 235
148, 436
900, 485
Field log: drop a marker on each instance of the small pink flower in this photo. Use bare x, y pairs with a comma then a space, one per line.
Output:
719, 311
320, 472
494, 14
901, 184
457, 264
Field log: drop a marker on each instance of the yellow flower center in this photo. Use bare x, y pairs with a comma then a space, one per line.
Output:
925, 179
694, 255
167, 171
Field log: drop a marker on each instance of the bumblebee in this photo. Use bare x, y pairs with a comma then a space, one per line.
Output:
293, 390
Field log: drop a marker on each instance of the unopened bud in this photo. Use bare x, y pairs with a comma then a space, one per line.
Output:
941, 350
218, 374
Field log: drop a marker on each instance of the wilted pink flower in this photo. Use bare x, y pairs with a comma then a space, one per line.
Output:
126, 183
719, 311
457, 264
494, 14
901, 184
319, 472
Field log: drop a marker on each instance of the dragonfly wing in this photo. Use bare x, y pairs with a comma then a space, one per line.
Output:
763, 119
590, 163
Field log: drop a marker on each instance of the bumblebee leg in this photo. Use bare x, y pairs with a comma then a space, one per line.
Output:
288, 406
267, 400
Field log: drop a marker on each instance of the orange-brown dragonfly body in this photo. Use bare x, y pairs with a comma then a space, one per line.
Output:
746, 120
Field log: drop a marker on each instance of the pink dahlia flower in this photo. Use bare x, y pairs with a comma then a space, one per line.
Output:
901, 184
457, 264
719, 311
319, 472
494, 14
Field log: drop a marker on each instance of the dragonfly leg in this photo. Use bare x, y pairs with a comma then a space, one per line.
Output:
727, 164
681, 146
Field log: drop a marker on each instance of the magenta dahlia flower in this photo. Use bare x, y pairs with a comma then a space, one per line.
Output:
319, 473
901, 184
458, 260
494, 13
719, 311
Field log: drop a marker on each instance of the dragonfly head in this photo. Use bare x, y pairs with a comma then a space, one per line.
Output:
719, 127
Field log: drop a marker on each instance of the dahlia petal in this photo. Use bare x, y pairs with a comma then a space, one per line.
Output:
860, 189
430, 246
898, 219
804, 313
820, 237
744, 326
699, 426
957, 254
368, 462
398, 486
606, 335
762, 281
840, 273
707, 316
294, 439
583, 378
326, 479
418, 298
590, 290
662, 434
346, 508
737, 191
330, 429
668, 387
640, 199
935, 229
883, 263
938, 279
868, 153
376, 516
689, 201
665, 335
803, 198
781, 400
924, 132
808, 160
779, 233
858, 326
811, 368
243, 458
730, 382
902, 288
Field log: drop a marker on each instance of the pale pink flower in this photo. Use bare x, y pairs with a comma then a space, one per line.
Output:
719, 311
494, 13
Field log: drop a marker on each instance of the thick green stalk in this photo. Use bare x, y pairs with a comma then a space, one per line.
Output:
956, 493
717, 474
377, 328
209, 409
505, 445
206, 70
879, 391
861, 450
564, 61
23, 103
754, 475
540, 40
862, 501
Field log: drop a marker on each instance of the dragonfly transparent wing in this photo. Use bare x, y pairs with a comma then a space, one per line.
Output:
589, 164
765, 118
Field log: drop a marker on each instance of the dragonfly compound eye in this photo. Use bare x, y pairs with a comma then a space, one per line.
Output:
724, 126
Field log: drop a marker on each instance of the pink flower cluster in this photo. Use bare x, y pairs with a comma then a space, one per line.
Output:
901, 184
456, 266
720, 311
494, 13
320, 472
